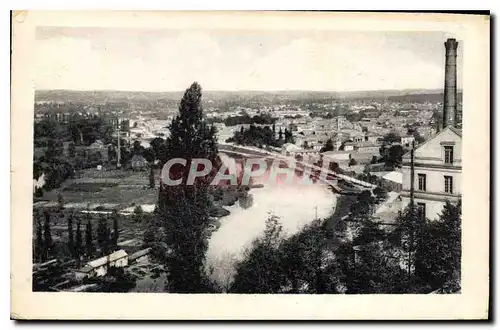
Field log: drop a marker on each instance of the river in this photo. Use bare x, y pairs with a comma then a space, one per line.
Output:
295, 205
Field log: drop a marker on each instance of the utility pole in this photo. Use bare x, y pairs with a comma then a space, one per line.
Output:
412, 175
118, 153
411, 224
316, 212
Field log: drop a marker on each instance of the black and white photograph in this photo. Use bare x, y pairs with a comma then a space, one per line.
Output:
248, 161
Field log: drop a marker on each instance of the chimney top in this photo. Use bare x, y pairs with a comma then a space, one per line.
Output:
451, 44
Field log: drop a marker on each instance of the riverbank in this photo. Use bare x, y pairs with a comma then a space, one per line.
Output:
294, 205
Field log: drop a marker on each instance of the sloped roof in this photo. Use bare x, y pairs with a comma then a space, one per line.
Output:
449, 128
394, 176
103, 260
455, 130
139, 254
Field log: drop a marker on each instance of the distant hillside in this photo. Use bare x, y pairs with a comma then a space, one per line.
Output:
62, 95
129, 96
420, 98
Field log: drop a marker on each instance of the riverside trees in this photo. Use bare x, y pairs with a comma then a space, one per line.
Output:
412, 257
302, 263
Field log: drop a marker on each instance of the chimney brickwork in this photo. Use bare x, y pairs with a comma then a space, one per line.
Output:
450, 83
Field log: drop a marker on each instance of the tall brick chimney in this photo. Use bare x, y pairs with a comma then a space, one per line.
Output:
450, 83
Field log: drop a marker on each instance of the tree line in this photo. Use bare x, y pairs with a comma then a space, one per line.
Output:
81, 244
79, 129
260, 136
360, 257
246, 119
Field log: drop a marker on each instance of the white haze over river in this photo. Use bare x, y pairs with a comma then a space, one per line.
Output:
295, 205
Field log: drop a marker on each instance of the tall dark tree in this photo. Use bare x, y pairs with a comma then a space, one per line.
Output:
288, 136
89, 240
71, 150
410, 228
103, 235
54, 148
111, 153
115, 231
149, 154
39, 246
450, 221
47, 236
440, 261
78, 243
280, 134
156, 144
137, 148
71, 242
60, 200
395, 156
328, 146
185, 208
151, 177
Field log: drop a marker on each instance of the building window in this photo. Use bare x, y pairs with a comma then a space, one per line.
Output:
448, 184
421, 210
422, 182
448, 155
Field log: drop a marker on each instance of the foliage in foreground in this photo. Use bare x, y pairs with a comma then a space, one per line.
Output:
416, 257
299, 264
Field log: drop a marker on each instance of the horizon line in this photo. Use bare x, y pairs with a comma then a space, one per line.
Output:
246, 90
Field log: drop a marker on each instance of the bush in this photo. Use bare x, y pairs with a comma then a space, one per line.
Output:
38, 192
380, 193
138, 210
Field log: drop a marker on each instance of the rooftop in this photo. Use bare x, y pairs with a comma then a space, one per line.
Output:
103, 260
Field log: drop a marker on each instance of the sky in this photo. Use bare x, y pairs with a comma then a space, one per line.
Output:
259, 60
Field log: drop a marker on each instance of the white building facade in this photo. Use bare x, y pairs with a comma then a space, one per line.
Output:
437, 173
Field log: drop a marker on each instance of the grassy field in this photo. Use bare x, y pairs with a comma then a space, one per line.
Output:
109, 186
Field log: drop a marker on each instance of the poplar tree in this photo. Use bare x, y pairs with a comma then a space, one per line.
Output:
71, 243
47, 237
115, 231
78, 244
89, 244
39, 247
151, 177
103, 235
184, 209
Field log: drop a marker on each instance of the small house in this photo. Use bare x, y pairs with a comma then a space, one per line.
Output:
140, 256
99, 267
407, 140
349, 146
